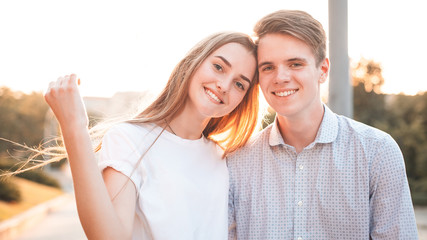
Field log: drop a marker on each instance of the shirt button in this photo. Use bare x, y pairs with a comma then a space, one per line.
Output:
300, 203
301, 167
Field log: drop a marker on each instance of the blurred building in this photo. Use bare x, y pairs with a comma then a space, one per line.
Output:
120, 104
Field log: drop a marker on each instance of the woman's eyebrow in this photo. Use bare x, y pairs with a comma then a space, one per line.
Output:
246, 79
229, 65
224, 60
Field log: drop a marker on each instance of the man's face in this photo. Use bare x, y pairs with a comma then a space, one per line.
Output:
289, 78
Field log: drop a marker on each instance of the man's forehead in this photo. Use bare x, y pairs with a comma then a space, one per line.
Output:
285, 46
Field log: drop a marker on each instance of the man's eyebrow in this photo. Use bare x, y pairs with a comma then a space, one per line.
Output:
263, 63
296, 59
224, 60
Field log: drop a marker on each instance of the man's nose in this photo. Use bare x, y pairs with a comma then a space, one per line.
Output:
283, 74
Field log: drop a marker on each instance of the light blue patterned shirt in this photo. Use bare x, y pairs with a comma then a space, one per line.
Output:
350, 183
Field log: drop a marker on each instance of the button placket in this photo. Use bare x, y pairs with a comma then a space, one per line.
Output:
300, 196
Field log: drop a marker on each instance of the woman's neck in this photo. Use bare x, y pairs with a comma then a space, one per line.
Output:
186, 126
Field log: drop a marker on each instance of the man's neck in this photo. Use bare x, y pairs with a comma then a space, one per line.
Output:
299, 131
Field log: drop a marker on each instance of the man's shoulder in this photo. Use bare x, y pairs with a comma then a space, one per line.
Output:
359, 130
348, 125
255, 144
257, 141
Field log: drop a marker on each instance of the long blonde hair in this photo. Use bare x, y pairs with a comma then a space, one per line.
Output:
231, 131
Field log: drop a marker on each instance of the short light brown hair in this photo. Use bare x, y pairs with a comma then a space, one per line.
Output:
298, 24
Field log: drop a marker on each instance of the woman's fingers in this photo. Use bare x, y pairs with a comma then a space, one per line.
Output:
73, 78
62, 84
65, 101
51, 89
63, 91
66, 83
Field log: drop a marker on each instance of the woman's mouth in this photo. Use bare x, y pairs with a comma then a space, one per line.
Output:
213, 96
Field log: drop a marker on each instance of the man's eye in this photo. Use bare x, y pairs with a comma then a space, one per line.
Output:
296, 65
218, 67
268, 68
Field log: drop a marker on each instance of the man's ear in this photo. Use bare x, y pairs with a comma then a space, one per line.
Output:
324, 67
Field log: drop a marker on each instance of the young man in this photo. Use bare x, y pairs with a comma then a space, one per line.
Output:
313, 174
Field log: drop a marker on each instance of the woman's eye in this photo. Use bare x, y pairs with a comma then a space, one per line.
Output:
218, 67
240, 85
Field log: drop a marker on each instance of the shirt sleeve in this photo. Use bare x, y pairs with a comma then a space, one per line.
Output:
391, 211
120, 152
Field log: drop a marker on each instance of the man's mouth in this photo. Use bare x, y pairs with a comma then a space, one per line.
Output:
285, 93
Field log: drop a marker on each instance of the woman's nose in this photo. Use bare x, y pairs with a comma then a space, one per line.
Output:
223, 85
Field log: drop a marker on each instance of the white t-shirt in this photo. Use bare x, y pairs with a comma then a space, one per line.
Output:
182, 185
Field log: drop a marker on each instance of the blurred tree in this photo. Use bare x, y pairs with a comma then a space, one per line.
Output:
403, 117
368, 73
22, 117
369, 103
268, 117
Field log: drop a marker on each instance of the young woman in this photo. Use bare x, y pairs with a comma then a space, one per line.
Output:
162, 173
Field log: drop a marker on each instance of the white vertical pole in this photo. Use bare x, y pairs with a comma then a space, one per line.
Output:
340, 98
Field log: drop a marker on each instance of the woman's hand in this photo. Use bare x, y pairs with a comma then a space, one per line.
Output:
66, 103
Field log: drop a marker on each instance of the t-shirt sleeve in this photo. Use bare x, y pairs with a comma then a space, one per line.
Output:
120, 151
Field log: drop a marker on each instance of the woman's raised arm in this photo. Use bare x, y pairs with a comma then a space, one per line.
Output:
100, 216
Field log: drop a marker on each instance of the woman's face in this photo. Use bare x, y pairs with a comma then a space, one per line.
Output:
221, 81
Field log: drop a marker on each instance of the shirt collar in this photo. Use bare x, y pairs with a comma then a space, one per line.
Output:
275, 136
328, 130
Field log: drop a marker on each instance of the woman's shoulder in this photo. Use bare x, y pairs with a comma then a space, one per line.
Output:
131, 129
130, 134
128, 138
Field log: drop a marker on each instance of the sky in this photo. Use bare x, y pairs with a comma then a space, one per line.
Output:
131, 45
